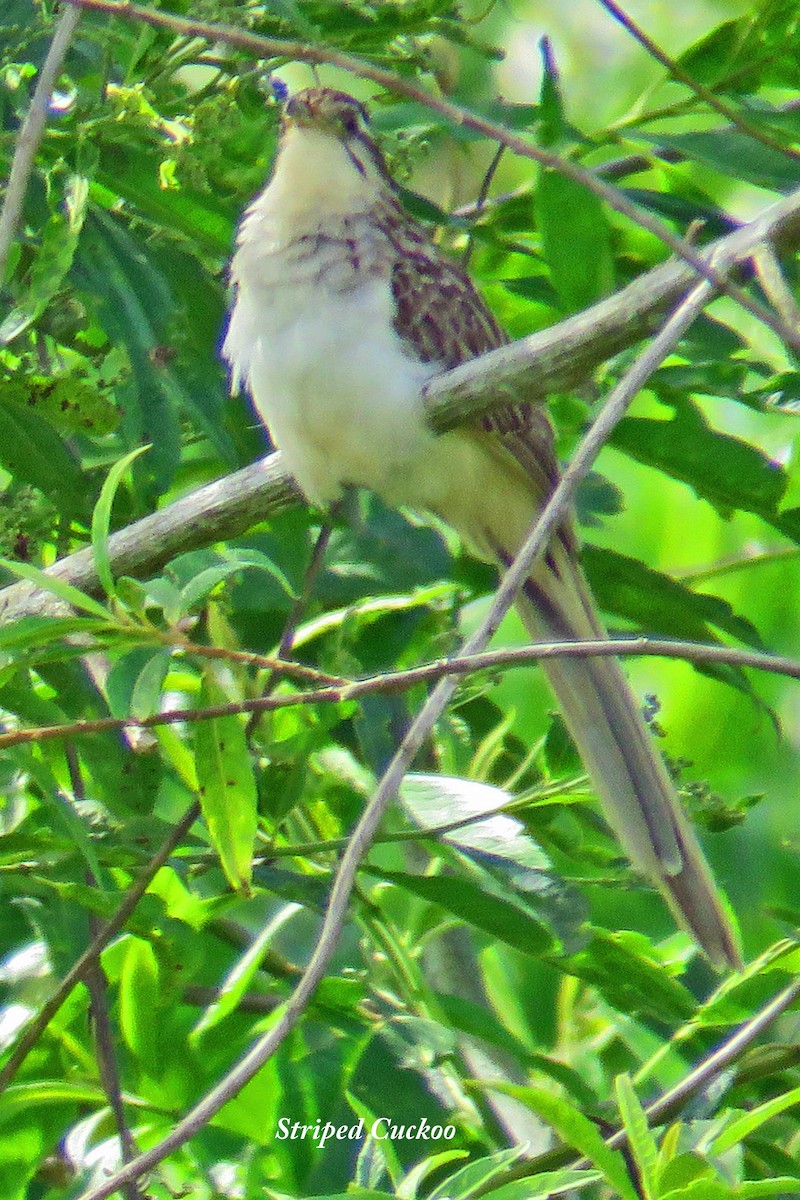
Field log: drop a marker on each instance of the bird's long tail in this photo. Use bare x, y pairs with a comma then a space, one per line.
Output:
638, 797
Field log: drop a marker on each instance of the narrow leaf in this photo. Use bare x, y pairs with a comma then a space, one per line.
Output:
641, 1139
575, 241
576, 1130
239, 978
51, 583
511, 923
228, 794
138, 998
101, 518
740, 1128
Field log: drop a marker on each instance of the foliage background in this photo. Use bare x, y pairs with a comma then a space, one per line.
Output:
115, 297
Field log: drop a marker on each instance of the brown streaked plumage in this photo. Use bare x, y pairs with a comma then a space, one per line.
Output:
343, 310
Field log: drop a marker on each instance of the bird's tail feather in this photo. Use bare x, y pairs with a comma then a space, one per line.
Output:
638, 797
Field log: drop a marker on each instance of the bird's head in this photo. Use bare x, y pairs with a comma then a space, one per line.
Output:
339, 119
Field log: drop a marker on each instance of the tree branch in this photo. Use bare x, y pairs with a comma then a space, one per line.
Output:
465, 664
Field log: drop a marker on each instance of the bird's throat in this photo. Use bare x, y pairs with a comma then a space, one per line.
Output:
315, 183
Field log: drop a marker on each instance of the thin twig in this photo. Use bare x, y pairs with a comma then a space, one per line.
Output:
312, 571
464, 664
97, 987
673, 1100
98, 943
31, 130
480, 202
682, 76
264, 47
543, 528
735, 563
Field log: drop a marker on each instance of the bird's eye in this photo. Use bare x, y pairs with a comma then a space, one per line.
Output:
350, 122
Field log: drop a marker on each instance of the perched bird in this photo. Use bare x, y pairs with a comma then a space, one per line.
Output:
343, 310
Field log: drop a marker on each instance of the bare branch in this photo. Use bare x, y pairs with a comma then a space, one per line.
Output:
31, 130
341, 689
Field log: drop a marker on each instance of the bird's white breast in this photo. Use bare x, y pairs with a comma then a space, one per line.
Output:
311, 335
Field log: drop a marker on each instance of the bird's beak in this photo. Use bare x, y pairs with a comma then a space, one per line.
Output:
300, 111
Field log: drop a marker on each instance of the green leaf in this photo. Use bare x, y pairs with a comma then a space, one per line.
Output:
124, 675
706, 1188
552, 128
640, 1137
726, 471
732, 152
575, 241
511, 923
228, 793
475, 1176
149, 685
631, 981
58, 587
754, 1189
135, 308
101, 518
713, 56
53, 260
662, 605
545, 1184
138, 1002
409, 1185
71, 405
576, 1130
34, 453
739, 1128
308, 890
203, 217
241, 975
439, 800
477, 1022
30, 632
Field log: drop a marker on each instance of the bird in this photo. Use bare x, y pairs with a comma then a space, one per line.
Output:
343, 309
